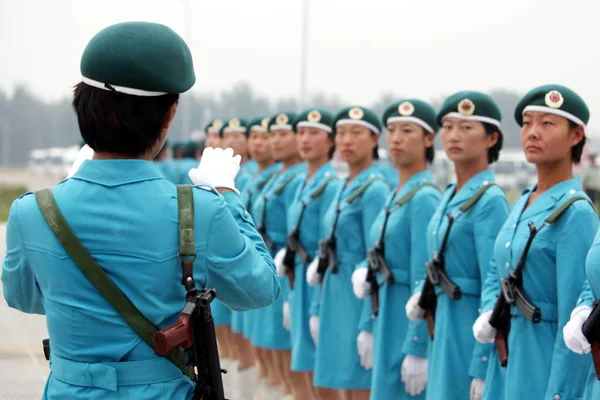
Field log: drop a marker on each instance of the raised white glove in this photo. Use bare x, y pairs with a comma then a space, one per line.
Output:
287, 323
572, 333
482, 330
217, 168
364, 342
360, 286
85, 153
279, 262
313, 278
313, 324
477, 386
413, 311
414, 374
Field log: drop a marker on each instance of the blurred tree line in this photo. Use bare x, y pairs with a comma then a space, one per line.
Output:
28, 122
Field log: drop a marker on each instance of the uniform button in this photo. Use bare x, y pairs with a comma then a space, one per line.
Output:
415, 338
507, 245
556, 396
372, 176
514, 225
570, 192
485, 183
484, 358
507, 265
327, 173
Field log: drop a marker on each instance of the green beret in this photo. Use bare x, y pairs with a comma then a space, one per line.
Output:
470, 106
260, 124
214, 126
191, 147
235, 125
554, 99
138, 58
412, 110
360, 116
177, 146
282, 121
315, 118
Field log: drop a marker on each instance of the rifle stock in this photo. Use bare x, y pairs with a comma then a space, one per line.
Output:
502, 348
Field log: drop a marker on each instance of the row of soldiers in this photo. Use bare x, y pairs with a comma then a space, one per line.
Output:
356, 318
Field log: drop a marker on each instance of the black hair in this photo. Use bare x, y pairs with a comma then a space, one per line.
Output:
118, 123
429, 151
494, 151
577, 150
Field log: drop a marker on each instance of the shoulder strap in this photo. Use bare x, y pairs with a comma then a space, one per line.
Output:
406, 198
358, 192
262, 184
319, 191
560, 210
475, 198
187, 248
281, 187
94, 273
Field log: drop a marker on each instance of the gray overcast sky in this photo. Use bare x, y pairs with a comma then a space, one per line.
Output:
357, 49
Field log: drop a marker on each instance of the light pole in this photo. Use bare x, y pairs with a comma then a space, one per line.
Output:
304, 56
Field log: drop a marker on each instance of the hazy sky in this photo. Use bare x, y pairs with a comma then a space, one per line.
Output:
357, 49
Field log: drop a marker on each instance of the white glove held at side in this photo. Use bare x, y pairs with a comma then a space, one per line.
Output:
413, 311
360, 286
364, 342
414, 374
482, 330
287, 323
313, 278
477, 386
572, 331
313, 324
279, 262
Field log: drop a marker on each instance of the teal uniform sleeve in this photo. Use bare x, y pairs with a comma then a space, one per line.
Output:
569, 370
373, 202
491, 288
490, 215
19, 285
423, 208
238, 261
586, 298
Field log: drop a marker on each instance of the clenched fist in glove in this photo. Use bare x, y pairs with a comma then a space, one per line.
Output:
573, 334
360, 286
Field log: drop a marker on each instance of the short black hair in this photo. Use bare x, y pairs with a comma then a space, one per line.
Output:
494, 151
118, 123
577, 150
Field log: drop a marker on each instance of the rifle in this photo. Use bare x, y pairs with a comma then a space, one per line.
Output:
437, 276
591, 330
194, 331
293, 248
377, 264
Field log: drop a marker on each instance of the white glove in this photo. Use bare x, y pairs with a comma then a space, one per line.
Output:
477, 386
573, 334
313, 278
313, 324
360, 286
287, 323
414, 374
482, 330
85, 153
217, 168
364, 342
279, 262
413, 311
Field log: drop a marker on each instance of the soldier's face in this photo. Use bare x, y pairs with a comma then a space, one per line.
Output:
407, 143
213, 139
548, 138
283, 142
237, 141
313, 143
259, 146
355, 143
466, 141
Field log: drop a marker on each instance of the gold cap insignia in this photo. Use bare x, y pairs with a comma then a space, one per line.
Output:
314, 116
282, 119
554, 99
234, 123
466, 107
406, 108
356, 113
265, 123
217, 124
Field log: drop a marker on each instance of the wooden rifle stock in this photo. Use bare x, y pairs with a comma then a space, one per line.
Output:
430, 318
502, 348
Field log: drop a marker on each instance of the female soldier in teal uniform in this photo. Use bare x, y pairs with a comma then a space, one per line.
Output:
235, 135
270, 215
552, 120
126, 216
472, 140
192, 151
311, 201
341, 370
260, 149
399, 236
213, 134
